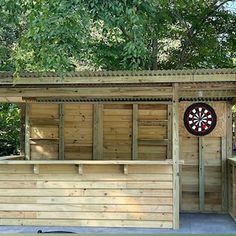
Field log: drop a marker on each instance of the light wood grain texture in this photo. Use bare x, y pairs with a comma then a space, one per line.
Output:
135, 133
201, 148
143, 197
61, 132
27, 132
175, 155
98, 132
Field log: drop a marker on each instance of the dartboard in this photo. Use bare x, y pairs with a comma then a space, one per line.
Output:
200, 119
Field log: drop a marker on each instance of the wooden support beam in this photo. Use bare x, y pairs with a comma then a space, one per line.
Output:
229, 131
234, 192
201, 174
27, 132
126, 169
61, 132
135, 133
80, 169
224, 175
169, 132
98, 132
180, 186
229, 149
12, 157
175, 155
36, 169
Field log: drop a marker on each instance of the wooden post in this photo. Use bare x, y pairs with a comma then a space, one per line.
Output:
201, 174
98, 132
61, 132
175, 155
135, 133
229, 131
229, 139
230, 187
80, 169
36, 169
224, 175
234, 192
180, 186
27, 132
126, 169
169, 131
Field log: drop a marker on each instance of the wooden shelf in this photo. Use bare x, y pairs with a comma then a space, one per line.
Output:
232, 160
87, 162
44, 138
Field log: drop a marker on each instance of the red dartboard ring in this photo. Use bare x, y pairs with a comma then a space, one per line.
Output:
200, 119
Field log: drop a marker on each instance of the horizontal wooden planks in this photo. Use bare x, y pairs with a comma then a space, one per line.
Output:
117, 132
152, 131
94, 223
95, 196
78, 132
117, 124
44, 131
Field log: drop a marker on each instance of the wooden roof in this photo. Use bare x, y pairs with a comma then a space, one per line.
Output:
121, 77
119, 86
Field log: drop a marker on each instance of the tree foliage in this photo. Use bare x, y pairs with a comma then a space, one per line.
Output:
9, 129
53, 35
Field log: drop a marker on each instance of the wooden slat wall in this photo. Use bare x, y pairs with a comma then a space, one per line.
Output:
44, 130
152, 132
202, 181
78, 131
189, 175
117, 124
213, 174
117, 132
102, 196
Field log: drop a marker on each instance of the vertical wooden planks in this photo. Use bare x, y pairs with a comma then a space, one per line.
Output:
201, 174
61, 132
224, 174
175, 155
229, 130
135, 132
98, 132
27, 132
234, 191
169, 132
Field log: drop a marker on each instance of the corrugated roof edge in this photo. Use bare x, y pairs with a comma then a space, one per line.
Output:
4, 74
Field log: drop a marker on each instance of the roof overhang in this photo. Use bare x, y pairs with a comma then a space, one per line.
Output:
118, 86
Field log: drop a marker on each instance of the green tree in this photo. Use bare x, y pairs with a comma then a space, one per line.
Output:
9, 129
53, 35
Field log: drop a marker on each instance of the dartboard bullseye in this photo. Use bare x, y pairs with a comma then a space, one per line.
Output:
200, 119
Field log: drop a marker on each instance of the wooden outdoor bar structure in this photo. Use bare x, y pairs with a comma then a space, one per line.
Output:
111, 149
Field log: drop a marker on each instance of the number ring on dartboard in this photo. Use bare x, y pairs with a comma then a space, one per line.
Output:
200, 119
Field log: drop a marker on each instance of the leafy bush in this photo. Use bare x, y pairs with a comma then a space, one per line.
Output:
9, 129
